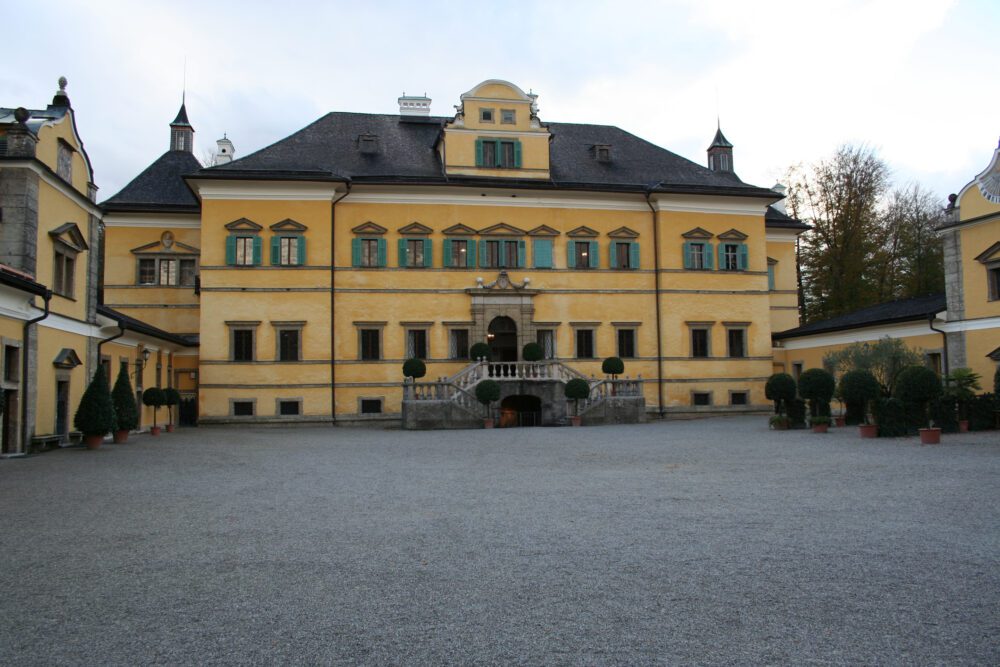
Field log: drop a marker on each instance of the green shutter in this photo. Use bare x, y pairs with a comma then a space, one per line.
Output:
708, 256
517, 154
571, 254
595, 257
470, 254
743, 257
302, 251
613, 255
482, 253
541, 252
479, 152
688, 255
770, 276
401, 245
446, 252
521, 254
633, 254
428, 252
355, 252
381, 252
231, 250
275, 250
257, 250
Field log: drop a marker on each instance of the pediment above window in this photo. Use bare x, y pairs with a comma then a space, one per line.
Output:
543, 230
415, 229
167, 244
243, 225
771, 261
288, 225
624, 233
459, 230
990, 255
67, 358
697, 233
582, 231
733, 235
369, 228
69, 234
502, 229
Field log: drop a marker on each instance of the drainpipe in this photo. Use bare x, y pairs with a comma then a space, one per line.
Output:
656, 266
333, 320
944, 340
100, 343
24, 371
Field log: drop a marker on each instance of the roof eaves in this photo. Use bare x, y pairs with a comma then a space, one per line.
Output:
132, 324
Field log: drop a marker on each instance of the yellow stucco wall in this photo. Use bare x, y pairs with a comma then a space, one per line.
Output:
47, 151
975, 240
812, 357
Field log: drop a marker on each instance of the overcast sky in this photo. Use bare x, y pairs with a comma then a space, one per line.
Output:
915, 79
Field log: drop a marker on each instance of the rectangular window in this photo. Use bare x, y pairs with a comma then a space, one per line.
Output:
416, 343
584, 343
509, 258
189, 269
993, 275
934, 362
371, 406
498, 153
415, 252
730, 257
546, 339
738, 398
242, 344
288, 251
11, 363
486, 115
697, 255
458, 344
371, 344
244, 251
369, 252
507, 155
770, 275
489, 154
507, 116
63, 270
147, 271
736, 340
581, 250
701, 398
289, 408
459, 253
623, 255
168, 271
243, 408
700, 343
626, 343
64, 162
797, 370
288, 345
497, 254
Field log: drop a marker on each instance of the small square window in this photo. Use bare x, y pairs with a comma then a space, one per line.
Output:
486, 115
507, 116
243, 408
371, 406
738, 398
701, 398
289, 408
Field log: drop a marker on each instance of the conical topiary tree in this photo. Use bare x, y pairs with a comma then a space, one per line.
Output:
95, 417
126, 411
154, 398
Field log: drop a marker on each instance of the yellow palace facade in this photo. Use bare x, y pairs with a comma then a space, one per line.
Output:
307, 272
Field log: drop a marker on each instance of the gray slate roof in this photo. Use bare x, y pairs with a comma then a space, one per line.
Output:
160, 186
775, 218
902, 310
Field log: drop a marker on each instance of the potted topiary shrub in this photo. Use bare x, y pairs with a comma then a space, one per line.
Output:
961, 385
532, 352
480, 351
613, 366
414, 368
918, 386
154, 398
576, 389
860, 388
95, 417
488, 391
817, 386
780, 388
126, 411
171, 398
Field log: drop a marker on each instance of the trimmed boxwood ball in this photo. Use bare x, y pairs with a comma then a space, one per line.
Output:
154, 397
488, 391
613, 366
126, 411
918, 384
780, 388
171, 396
96, 413
480, 351
414, 368
532, 352
859, 389
577, 388
817, 386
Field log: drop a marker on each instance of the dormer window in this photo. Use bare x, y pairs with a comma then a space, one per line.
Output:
368, 144
497, 153
602, 152
486, 116
508, 116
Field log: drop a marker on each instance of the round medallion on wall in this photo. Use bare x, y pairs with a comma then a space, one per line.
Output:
167, 240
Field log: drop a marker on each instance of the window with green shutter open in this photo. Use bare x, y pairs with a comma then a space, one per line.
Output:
368, 252
243, 250
498, 153
288, 250
415, 253
459, 253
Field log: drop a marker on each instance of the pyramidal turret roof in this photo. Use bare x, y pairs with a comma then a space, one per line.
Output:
182, 117
720, 140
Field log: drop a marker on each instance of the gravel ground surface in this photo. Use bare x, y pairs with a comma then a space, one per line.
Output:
702, 542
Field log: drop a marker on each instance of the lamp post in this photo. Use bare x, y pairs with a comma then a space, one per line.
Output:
140, 364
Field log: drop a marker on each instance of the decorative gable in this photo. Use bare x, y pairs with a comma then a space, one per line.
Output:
502, 229
459, 230
415, 229
990, 255
624, 233
697, 233
733, 235
582, 231
70, 235
67, 358
158, 248
543, 230
288, 226
243, 225
370, 228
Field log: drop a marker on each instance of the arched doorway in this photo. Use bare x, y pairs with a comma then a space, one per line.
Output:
502, 337
521, 410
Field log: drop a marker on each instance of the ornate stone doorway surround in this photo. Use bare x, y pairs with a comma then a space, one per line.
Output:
503, 298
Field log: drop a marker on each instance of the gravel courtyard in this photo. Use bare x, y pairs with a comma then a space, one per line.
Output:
702, 542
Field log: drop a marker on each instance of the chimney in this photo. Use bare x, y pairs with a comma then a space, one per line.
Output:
413, 105
224, 152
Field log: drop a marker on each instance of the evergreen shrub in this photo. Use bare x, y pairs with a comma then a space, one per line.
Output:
96, 412
817, 386
890, 414
532, 352
797, 413
613, 366
155, 398
859, 388
488, 391
414, 368
480, 351
780, 388
918, 385
126, 411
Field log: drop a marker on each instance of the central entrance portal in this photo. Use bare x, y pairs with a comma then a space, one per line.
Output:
502, 337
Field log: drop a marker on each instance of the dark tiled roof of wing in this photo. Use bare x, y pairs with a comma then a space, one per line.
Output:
902, 310
161, 184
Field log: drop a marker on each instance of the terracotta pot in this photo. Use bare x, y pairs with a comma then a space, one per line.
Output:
820, 428
121, 437
868, 430
93, 441
154, 430
841, 421
487, 423
930, 436
170, 428
963, 425
575, 421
